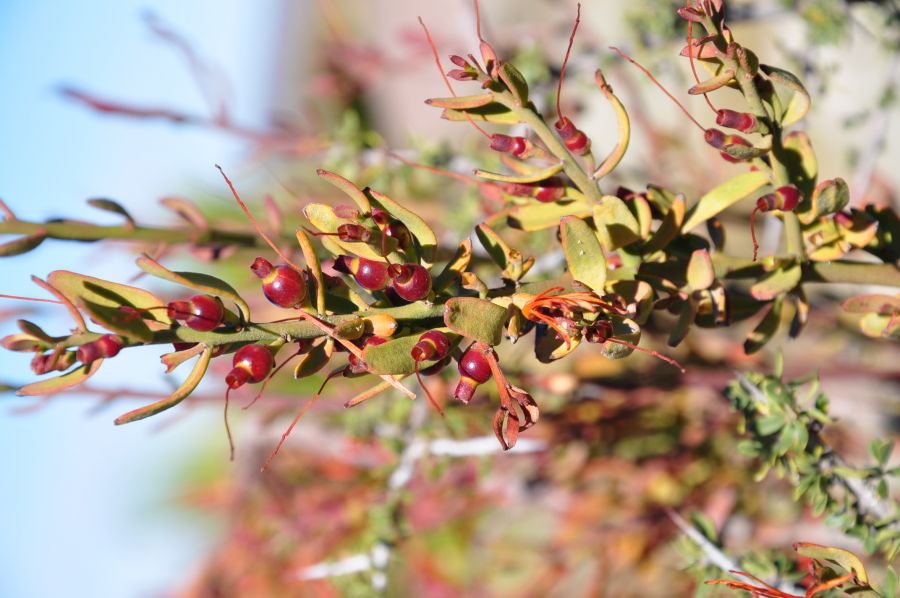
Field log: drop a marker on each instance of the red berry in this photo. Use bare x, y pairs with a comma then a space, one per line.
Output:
565, 127
251, 363
433, 344
474, 369
509, 145
109, 345
411, 282
200, 312
369, 274
282, 285
715, 138
788, 196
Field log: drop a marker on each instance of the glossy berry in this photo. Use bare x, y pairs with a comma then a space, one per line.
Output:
474, 370
411, 282
107, 345
200, 312
433, 344
369, 274
251, 363
282, 285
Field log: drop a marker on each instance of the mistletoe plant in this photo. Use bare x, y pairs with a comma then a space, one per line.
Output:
377, 286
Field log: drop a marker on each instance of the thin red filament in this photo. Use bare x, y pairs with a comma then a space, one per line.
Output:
753, 232
428, 394
562, 71
299, 415
256, 225
228, 427
437, 61
658, 84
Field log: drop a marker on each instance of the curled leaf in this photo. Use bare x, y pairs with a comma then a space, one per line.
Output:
186, 210
351, 190
515, 82
800, 102
109, 205
22, 244
457, 264
534, 176
79, 288
60, 383
181, 393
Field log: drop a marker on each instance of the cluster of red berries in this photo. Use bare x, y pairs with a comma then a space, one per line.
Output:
107, 345
409, 282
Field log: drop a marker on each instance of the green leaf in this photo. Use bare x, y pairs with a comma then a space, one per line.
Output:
640, 208
766, 328
584, 256
616, 225
539, 216
700, 272
745, 152
323, 218
511, 261
416, 225
312, 361
515, 82
534, 176
78, 287
394, 357
462, 102
829, 197
843, 558
22, 244
457, 264
351, 190
624, 329
108, 205
477, 319
115, 320
880, 304
723, 196
60, 383
494, 112
668, 230
800, 160
777, 282
881, 450
800, 102
204, 283
315, 268
181, 393
686, 317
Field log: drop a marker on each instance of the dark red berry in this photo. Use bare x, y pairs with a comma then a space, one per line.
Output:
43, 363
715, 138
282, 285
433, 344
411, 282
251, 363
474, 369
369, 274
565, 127
788, 197
200, 312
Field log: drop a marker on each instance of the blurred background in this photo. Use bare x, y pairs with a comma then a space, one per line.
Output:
277, 88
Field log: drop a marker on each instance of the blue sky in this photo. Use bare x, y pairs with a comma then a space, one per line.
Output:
86, 508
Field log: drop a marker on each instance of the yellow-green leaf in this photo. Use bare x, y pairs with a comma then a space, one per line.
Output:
457, 264
616, 225
534, 176
494, 112
77, 287
700, 271
315, 268
395, 356
624, 329
723, 196
539, 216
22, 244
181, 393
777, 282
462, 102
109, 205
418, 228
669, 228
843, 558
584, 256
515, 82
800, 102
345, 185
60, 383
